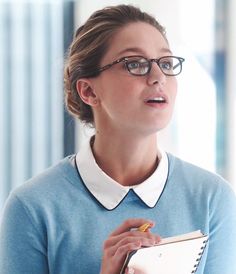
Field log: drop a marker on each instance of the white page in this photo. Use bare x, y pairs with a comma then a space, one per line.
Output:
170, 258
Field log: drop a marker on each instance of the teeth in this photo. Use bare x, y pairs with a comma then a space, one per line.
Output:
157, 99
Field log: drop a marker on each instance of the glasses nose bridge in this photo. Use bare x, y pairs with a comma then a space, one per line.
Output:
153, 60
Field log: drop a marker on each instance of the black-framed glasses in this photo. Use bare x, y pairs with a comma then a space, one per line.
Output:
140, 66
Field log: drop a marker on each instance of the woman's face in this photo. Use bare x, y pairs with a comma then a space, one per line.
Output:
124, 99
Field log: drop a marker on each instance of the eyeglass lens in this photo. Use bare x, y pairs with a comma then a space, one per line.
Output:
140, 66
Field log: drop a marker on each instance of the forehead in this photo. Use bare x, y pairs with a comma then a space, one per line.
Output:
137, 38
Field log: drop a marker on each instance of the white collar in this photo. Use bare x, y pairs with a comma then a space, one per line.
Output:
109, 192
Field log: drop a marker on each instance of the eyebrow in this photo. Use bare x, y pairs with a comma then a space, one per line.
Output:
140, 51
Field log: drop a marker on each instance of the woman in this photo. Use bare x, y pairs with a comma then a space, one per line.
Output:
82, 215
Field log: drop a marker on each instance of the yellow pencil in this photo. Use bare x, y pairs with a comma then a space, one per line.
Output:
144, 227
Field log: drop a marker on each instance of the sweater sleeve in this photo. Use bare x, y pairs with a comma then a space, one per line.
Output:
222, 239
22, 246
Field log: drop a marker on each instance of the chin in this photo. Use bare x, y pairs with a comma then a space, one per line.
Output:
160, 125
151, 127
153, 130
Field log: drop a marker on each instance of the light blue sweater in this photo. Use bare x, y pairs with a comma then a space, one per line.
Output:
52, 224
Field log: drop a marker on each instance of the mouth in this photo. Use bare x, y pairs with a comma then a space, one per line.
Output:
157, 100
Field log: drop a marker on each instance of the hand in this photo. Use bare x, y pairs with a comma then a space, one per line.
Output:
121, 241
134, 271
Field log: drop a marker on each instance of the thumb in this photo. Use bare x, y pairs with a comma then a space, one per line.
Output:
129, 270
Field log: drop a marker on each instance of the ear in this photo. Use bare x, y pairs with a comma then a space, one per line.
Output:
86, 91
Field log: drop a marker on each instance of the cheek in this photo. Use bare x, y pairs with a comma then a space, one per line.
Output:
119, 91
173, 87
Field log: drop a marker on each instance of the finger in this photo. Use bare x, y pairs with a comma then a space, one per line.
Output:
131, 236
139, 241
122, 251
131, 224
143, 241
129, 270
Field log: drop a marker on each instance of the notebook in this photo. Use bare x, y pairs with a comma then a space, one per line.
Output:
174, 255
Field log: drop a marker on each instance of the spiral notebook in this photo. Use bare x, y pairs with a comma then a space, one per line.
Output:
174, 255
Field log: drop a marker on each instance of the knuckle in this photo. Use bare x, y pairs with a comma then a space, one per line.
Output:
125, 248
128, 239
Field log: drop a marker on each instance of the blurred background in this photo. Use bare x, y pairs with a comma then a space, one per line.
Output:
35, 129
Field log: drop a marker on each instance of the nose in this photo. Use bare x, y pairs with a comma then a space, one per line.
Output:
156, 76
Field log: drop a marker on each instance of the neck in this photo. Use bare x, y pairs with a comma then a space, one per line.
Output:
129, 161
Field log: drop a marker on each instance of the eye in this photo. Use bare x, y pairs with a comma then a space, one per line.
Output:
166, 64
138, 65
133, 64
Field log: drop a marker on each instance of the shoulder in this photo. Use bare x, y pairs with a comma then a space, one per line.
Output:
197, 178
48, 197
48, 184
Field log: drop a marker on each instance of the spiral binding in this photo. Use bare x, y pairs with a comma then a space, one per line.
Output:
200, 256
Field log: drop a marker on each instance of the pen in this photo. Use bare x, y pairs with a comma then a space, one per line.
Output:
144, 227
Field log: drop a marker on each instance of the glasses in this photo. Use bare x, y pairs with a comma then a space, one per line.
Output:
140, 66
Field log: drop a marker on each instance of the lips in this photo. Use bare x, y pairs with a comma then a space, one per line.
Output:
156, 99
